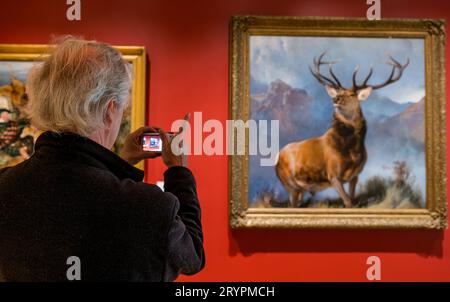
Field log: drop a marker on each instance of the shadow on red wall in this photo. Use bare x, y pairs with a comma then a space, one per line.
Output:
423, 242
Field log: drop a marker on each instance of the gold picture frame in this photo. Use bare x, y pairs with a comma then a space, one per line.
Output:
135, 55
434, 216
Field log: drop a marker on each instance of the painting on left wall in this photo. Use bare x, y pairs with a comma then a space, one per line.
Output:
17, 134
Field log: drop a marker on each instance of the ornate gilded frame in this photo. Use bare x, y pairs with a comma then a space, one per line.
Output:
136, 55
434, 216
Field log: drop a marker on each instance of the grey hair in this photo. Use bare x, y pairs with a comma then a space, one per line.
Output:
71, 89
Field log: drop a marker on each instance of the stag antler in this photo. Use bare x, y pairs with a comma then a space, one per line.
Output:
320, 77
392, 78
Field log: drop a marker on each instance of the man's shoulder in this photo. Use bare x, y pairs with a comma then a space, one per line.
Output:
2, 170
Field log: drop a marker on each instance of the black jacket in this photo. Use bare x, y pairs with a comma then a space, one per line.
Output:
74, 197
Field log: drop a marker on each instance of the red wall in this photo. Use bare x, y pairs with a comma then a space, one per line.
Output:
187, 43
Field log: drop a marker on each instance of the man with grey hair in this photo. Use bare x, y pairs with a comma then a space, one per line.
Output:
74, 197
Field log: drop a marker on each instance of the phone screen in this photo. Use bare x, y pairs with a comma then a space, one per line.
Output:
151, 142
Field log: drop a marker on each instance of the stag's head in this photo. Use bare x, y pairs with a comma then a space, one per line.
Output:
346, 100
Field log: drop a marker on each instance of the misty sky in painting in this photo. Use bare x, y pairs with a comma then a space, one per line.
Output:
288, 58
14, 68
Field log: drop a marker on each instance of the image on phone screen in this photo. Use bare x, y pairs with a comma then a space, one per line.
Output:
151, 143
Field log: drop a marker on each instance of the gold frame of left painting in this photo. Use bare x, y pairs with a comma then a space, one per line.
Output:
135, 55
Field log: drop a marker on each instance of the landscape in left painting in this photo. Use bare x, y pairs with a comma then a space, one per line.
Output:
17, 135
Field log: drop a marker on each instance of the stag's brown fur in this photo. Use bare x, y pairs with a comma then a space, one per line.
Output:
338, 156
313, 165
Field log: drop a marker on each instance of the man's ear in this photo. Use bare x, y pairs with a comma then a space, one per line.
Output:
110, 111
332, 92
363, 94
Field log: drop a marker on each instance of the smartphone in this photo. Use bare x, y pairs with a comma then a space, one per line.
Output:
152, 142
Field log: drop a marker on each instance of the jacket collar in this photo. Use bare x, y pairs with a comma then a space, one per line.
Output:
81, 149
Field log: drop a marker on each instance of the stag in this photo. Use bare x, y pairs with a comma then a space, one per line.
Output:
339, 155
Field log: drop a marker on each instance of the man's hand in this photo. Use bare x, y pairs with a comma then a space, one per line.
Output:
169, 158
132, 149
